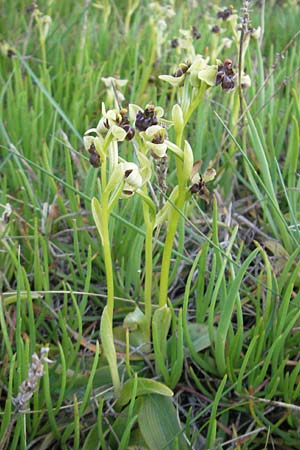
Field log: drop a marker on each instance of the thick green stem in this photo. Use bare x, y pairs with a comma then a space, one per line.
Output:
195, 102
171, 230
166, 261
107, 257
179, 203
108, 314
148, 269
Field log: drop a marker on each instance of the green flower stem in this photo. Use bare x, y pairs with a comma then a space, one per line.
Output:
149, 212
166, 261
107, 142
115, 197
107, 340
148, 268
42, 44
195, 102
107, 256
171, 230
131, 7
109, 349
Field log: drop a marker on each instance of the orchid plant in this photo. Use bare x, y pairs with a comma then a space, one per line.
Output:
148, 131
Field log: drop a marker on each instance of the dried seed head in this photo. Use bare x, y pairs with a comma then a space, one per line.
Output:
35, 371
161, 175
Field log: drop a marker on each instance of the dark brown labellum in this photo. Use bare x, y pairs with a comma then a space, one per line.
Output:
227, 83
125, 192
224, 14
226, 75
158, 139
178, 73
127, 173
195, 33
216, 29
219, 77
95, 160
10, 53
92, 149
174, 43
145, 119
201, 190
182, 69
130, 134
194, 188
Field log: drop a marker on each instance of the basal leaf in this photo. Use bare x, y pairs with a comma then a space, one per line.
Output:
144, 386
159, 424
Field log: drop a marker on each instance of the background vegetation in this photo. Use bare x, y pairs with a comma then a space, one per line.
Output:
235, 305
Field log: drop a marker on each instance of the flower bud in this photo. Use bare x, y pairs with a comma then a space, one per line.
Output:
177, 117
188, 161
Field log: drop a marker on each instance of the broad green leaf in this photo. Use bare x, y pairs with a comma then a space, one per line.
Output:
108, 346
199, 336
137, 324
122, 427
160, 327
161, 323
159, 424
144, 386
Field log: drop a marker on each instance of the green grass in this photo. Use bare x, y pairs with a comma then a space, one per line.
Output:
215, 362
